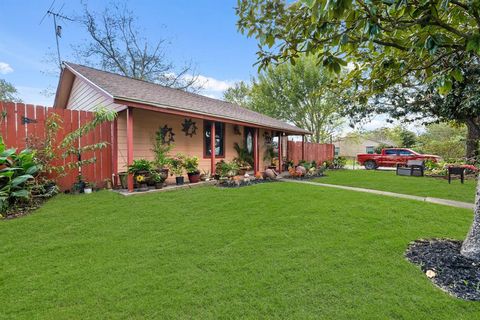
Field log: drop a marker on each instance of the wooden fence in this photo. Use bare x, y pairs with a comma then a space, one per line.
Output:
21, 121
319, 152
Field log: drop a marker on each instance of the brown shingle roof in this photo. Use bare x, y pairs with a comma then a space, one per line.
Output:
125, 88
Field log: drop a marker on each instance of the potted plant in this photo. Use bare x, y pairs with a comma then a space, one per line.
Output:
79, 186
244, 159
191, 166
176, 167
269, 156
142, 182
123, 176
158, 179
160, 150
88, 188
108, 183
140, 167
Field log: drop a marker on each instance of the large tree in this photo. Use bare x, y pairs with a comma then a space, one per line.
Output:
386, 41
8, 92
115, 43
297, 93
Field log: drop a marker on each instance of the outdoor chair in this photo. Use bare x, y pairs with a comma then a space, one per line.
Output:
456, 171
411, 168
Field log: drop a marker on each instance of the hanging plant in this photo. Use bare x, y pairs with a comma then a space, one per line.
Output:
267, 137
189, 127
236, 130
167, 135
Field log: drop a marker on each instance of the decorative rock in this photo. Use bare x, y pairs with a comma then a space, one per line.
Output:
430, 274
271, 174
301, 170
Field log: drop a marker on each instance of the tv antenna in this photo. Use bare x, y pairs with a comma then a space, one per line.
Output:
56, 14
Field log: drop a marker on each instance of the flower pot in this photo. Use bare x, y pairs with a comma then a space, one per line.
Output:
179, 181
123, 179
194, 177
159, 185
87, 190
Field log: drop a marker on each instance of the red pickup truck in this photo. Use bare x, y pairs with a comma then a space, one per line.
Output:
391, 157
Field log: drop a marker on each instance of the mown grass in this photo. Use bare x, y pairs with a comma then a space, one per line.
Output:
269, 251
389, 181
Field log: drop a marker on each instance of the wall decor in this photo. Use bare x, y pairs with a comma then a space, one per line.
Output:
267, 137
189, 127
236, 130
167, 135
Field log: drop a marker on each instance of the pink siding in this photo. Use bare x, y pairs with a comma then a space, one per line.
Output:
84, 96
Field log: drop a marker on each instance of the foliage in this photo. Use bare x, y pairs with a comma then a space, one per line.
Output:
16, 176
238, 94
116, 44
8, 92
243, 158
191, 164
139, 166
160, 150
269, 154
378, 149
297, 93
339, 162
157, 177
176, 164
226, 169
48, 149
444, 140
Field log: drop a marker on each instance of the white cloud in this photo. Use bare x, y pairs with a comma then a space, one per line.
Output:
5, 68
212, 84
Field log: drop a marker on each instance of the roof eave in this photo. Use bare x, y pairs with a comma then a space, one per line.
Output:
126, 100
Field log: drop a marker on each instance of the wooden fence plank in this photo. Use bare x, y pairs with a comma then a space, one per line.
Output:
11, 126
313, 151
21, 127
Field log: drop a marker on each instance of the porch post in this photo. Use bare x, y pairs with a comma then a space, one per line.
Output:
280, 152
303, 147
212, 148
130, 145
255, 152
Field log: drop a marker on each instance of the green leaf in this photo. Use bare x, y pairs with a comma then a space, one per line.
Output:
21, 194
32, 170
21, 179
457, 75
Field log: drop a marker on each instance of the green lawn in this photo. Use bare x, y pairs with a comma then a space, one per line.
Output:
388, 181
279, 250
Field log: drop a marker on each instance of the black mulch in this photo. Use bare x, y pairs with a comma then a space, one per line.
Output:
454, 273
309, 177
241, 183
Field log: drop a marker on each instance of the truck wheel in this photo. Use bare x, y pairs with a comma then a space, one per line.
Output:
370, 165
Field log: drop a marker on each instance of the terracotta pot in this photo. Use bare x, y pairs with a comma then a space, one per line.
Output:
194, 177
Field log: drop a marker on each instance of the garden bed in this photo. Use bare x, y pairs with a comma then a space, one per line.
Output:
243, 183
306, 177
441, 261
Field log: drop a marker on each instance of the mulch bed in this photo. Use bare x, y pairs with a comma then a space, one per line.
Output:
242, 183
23, 210
309, 177
441, 261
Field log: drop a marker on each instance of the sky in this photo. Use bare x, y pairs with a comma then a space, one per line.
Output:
202, 32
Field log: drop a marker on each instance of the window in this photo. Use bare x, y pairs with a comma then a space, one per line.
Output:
337, 151
249, 132
391, 152
219, 139
370, 149
404, 153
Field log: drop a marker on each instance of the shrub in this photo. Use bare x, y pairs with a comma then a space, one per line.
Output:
160, 150
176, 165
16, 177
139, 166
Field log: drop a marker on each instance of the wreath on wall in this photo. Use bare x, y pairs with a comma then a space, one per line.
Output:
189, 127
236, 130
267, 138
167, 135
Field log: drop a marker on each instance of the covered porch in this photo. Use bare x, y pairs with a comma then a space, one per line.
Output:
190, 134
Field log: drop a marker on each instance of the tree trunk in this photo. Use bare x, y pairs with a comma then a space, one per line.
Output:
471, 244
473, 137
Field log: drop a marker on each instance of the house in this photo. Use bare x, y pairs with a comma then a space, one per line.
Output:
351, 145
188, 120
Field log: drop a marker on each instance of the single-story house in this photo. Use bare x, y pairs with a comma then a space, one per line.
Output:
350, 146
188, 119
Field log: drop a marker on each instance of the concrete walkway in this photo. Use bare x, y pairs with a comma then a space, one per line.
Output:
451, 203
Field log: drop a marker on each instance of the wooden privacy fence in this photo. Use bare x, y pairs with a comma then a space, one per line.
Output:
319, 152
21, 121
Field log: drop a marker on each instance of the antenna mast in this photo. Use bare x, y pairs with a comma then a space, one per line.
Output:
57, 28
